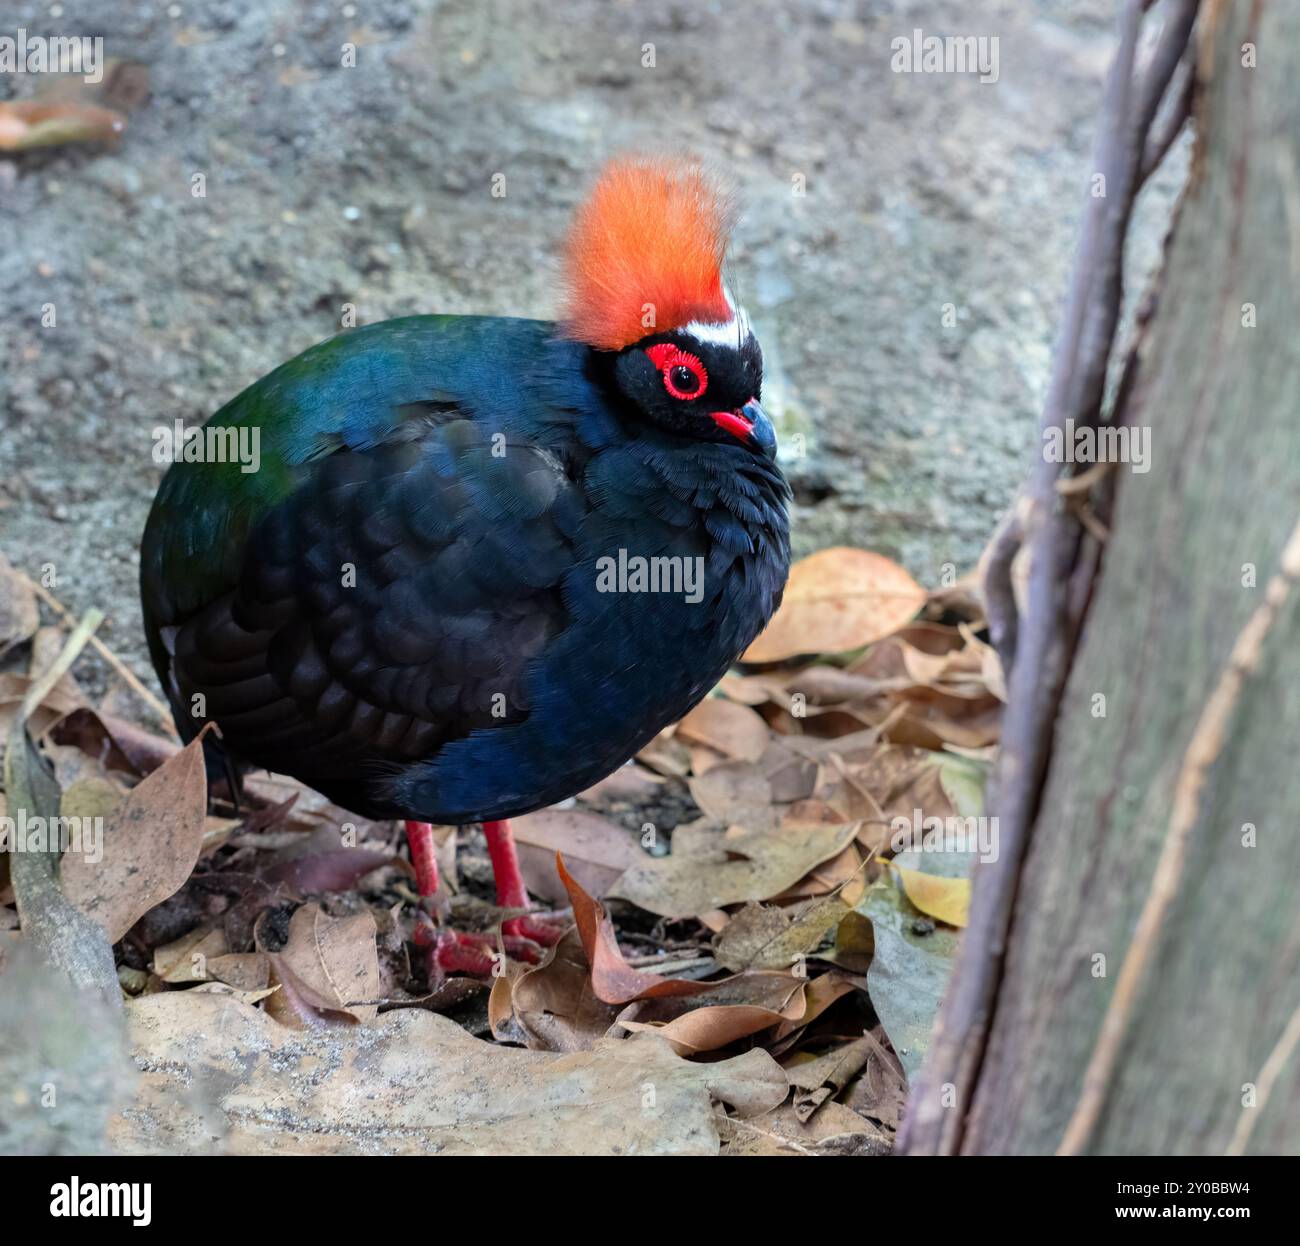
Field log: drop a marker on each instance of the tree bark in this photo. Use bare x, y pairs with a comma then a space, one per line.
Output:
1142, 869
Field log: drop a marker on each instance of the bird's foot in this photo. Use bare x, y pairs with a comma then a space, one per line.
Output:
543, 929
477, 954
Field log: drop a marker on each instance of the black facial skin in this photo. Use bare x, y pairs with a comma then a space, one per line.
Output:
734, 377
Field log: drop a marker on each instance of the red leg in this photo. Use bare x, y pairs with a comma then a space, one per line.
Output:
419, 835
511, 891
456, 952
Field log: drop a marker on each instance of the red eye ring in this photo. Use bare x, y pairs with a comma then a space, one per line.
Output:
667, 357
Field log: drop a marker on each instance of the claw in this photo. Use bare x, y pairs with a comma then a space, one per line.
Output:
477, 955
545, 929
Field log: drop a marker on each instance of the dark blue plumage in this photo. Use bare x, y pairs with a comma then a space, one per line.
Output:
402, 606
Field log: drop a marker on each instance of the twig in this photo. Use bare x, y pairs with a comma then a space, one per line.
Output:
1202, 752
1162, 138
128, 676
41, 688
1264, 1084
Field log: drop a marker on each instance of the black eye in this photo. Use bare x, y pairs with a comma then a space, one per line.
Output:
684, 380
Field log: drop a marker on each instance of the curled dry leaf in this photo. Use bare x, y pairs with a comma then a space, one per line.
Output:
613, 980
823, 1077
551, 1006
25, 124
150, 844
724, 1012
836, 600
113, 742
431, 1088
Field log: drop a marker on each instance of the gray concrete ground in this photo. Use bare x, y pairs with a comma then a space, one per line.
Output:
371, 185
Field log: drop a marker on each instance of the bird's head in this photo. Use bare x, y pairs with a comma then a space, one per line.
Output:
645, 288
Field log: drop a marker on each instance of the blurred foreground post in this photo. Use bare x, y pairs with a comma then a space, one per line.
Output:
1129, 983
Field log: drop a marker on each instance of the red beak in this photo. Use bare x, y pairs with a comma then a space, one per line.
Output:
735, 423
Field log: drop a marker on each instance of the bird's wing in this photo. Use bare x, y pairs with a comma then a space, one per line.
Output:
360, 601
389, 604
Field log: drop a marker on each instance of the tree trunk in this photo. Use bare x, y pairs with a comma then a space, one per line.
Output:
1206, 1058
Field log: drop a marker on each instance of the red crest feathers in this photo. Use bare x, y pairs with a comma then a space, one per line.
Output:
645, 252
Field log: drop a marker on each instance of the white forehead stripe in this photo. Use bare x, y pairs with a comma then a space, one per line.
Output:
731, 332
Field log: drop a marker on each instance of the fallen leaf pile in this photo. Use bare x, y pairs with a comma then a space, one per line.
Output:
765, 904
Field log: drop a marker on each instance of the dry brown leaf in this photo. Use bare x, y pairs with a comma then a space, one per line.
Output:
733, 730
630, 784
189, 958
25, 124
820, 994
709, 869
309, 810
596, 851
768, 937
14, 688
823, 1077
552, 1005
613, 980
735, 793
791, 776
336, 959
318, 861
724, 1012
703, 758
431, 1089
667, 755
244, 971
836, 600
842, 874
835, 1130
150, 844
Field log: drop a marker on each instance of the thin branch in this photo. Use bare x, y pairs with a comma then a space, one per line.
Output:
1202, 752
1264, 1084
1162, 137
